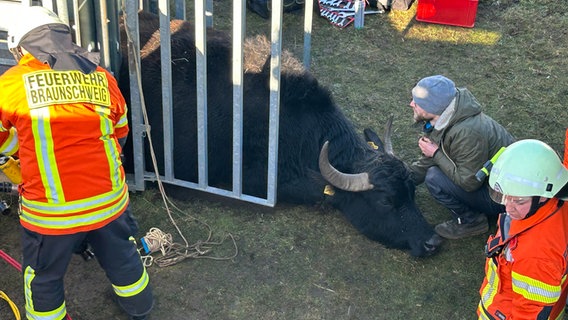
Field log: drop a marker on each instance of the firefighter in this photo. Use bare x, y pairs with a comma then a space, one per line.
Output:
65, 119
527, 259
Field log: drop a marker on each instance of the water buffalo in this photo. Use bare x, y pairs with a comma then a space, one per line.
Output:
318, 145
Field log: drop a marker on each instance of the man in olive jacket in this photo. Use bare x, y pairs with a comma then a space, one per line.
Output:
458, 139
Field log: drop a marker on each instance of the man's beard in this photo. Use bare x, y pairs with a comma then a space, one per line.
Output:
420, 118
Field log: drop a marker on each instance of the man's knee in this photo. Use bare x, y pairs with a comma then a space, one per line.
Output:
434, 179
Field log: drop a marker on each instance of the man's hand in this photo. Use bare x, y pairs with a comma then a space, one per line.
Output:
428, 147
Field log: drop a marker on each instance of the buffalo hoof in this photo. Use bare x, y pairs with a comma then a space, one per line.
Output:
431, 246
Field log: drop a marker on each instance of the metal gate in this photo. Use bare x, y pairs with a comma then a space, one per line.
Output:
85, 17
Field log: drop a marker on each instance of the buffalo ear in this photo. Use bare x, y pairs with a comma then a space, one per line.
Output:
373, 140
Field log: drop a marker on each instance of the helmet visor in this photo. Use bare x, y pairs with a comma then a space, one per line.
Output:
496, 196
506, 199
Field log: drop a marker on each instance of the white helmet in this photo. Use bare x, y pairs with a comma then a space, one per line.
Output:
35, 16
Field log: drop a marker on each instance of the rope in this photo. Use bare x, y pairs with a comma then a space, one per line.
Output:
172, 252
156, 240
12, 305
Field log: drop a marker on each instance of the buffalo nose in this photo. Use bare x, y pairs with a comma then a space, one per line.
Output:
432, 244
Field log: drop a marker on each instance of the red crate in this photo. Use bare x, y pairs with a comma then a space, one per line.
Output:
453, 12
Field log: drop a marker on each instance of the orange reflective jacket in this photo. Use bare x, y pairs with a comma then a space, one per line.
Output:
65, 126
525, 273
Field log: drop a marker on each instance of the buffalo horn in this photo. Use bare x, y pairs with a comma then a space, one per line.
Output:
348, 182
388, 135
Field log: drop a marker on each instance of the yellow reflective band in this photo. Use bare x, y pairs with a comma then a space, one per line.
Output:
482, 313
490, 290
532, 289
48, 87
133, 289
57, 314
123, 121
29, 275
44, 147
111, 151
77, 206
55, 221
10, 146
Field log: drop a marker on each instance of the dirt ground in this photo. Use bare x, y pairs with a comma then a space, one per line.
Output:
292, 263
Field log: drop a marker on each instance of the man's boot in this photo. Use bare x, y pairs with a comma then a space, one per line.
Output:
463, 226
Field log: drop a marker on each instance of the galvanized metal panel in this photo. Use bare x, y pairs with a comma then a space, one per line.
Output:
201, 66
137, 127
167, 105
274, 115
239, 15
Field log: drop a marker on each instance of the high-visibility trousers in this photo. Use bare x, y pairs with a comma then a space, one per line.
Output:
46, 258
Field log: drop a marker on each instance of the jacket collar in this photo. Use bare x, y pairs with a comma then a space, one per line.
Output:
549, 208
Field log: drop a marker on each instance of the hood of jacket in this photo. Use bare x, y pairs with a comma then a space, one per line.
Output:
462, 107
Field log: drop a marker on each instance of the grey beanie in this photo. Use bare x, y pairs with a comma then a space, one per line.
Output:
434, 94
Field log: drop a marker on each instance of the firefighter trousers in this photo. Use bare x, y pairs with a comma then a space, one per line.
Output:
46, 258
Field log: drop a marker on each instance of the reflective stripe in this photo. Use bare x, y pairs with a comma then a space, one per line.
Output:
10, 146
520, 180
63, 209
123, 120
58, 217
490, 290
133, 289
29, 275
57, 314
44, 147
483, 314
111, 151
532, 289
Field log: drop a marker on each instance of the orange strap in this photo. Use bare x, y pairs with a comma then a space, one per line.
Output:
566, 149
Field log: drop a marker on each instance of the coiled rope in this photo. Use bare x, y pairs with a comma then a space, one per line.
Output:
172, 253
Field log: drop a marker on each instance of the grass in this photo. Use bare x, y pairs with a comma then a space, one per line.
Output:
299, 262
